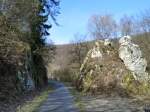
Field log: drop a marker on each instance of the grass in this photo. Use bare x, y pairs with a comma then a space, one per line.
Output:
78, 102
33, 106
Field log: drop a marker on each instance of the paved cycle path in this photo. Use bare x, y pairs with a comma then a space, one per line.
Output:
60, 100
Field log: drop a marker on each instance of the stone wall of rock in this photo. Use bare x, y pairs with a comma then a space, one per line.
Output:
132, 57
15, 70
25, 71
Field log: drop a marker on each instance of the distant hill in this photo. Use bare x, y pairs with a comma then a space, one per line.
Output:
61, 59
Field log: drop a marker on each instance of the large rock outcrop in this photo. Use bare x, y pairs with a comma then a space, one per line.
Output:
109, 69
132, 57
102, 69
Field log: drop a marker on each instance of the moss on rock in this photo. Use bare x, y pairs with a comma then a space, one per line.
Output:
135, 87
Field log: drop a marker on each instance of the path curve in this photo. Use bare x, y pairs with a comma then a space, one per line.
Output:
60, 100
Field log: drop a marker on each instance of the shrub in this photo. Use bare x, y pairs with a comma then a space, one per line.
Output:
63, 75
134, 86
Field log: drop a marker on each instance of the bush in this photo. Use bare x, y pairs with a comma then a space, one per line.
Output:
134, 86
65, 75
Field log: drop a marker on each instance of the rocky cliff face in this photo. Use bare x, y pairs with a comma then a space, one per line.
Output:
15, 70
109, 69
25, 71
133, 59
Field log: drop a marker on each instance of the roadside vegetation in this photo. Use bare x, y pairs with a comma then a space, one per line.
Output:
33, 105
77, 97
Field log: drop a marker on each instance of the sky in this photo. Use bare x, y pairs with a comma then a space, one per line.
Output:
76, 13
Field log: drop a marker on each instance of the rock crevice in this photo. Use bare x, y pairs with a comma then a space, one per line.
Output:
132, 57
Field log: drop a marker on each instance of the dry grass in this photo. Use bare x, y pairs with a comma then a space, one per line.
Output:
33, 106
78, 99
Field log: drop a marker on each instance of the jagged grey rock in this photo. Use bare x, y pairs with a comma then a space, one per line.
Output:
25, 73
107, 42
132, 57
95, 52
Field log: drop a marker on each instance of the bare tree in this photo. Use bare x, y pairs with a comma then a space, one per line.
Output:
126, 25
102, 26
78, 50
145, 21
